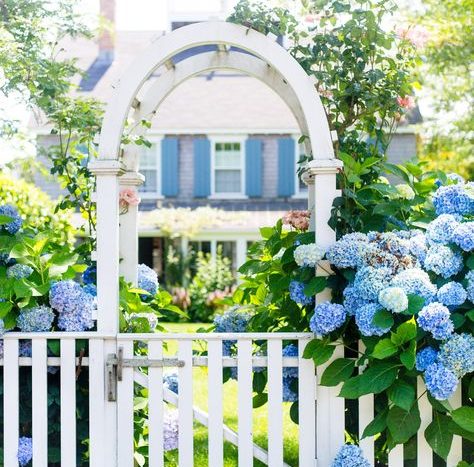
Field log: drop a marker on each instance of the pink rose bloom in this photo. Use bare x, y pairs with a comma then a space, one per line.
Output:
407, 102
417, 35
128, 197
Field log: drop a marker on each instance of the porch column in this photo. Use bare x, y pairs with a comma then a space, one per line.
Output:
107, 205
128, 237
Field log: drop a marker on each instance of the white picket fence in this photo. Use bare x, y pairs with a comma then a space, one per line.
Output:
321, 412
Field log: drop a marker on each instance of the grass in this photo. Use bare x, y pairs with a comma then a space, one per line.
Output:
260, 424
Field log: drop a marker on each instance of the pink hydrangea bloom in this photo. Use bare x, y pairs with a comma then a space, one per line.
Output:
407, 102
417, 35
128, 197
297, 219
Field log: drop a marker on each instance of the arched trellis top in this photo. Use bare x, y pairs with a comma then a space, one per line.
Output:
220, 33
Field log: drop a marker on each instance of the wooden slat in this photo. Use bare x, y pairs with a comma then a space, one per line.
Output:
155, 407
275, 406
185, 408
68, 402
455, 454
366, 415
40, 403
96, 403
215, 405
395, 457
307, 410
245, 402
424, 453
125, 411
10, 402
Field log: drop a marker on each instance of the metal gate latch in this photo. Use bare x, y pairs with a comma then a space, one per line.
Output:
115, 364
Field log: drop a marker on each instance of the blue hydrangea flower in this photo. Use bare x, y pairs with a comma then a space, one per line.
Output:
297, 293
373, 255
391, 242
37, 319
345, 253
25, 450
463, 236
15, 225
453, 199
454, 177
147, 279
290, 350
89, 276
393, 299
25, 348
1, 348
435, 318
64, 296
327, 318
170, 430
288, 394
352, 300
19, 271
415, 281
2, 328
441, 229
443, 261
369, 281
170, 381
233, 320
418, 247
426, 357
90, 289
364, 316
470, 285
350, 455
308, 255
452, 294
457, 354
440, 382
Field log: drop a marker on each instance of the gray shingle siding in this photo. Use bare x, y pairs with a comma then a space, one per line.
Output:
402, 147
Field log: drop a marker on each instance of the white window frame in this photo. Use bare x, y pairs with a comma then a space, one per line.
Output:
156, 140
298, 193
214, 139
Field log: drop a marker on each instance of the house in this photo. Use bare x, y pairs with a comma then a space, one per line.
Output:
221, 139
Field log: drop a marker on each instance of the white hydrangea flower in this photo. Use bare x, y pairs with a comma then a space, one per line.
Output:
405, 191
308, 255
393, 299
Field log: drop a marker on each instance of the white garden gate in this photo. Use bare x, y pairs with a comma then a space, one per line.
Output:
114, 369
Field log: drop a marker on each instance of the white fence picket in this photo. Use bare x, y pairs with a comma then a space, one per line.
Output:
424, 452
97, 403
125, 413
395, 457
185, 406
455, 454
366, 415
275, 398
215, 405
244, 369
68, 402
39, 402
155, 407
307, 409
10, 402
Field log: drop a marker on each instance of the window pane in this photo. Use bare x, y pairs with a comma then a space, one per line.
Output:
148, 157
228, 181
150, 185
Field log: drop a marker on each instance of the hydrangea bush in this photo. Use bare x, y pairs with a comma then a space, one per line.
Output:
406, 294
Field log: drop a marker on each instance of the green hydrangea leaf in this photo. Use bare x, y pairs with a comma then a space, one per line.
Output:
383, 319
464, 417
337, 372
403, 424
438, 435
377, 425
384, 349
402, 394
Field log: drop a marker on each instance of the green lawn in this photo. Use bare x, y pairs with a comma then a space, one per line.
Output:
230, 415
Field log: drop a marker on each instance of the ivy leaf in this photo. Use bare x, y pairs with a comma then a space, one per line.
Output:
383, 319
316, 285
374, 380
438, 435
384, 349
377, 425
404, 333
403, 424
464, 417
408, 356
402, 394
337, 372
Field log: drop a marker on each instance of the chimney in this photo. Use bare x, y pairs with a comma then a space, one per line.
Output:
106, 38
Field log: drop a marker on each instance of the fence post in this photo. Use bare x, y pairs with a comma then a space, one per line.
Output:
107, 199
320, 176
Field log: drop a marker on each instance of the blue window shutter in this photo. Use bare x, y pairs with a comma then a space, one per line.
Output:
202, 168
253, 168
169, 167
286, 167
